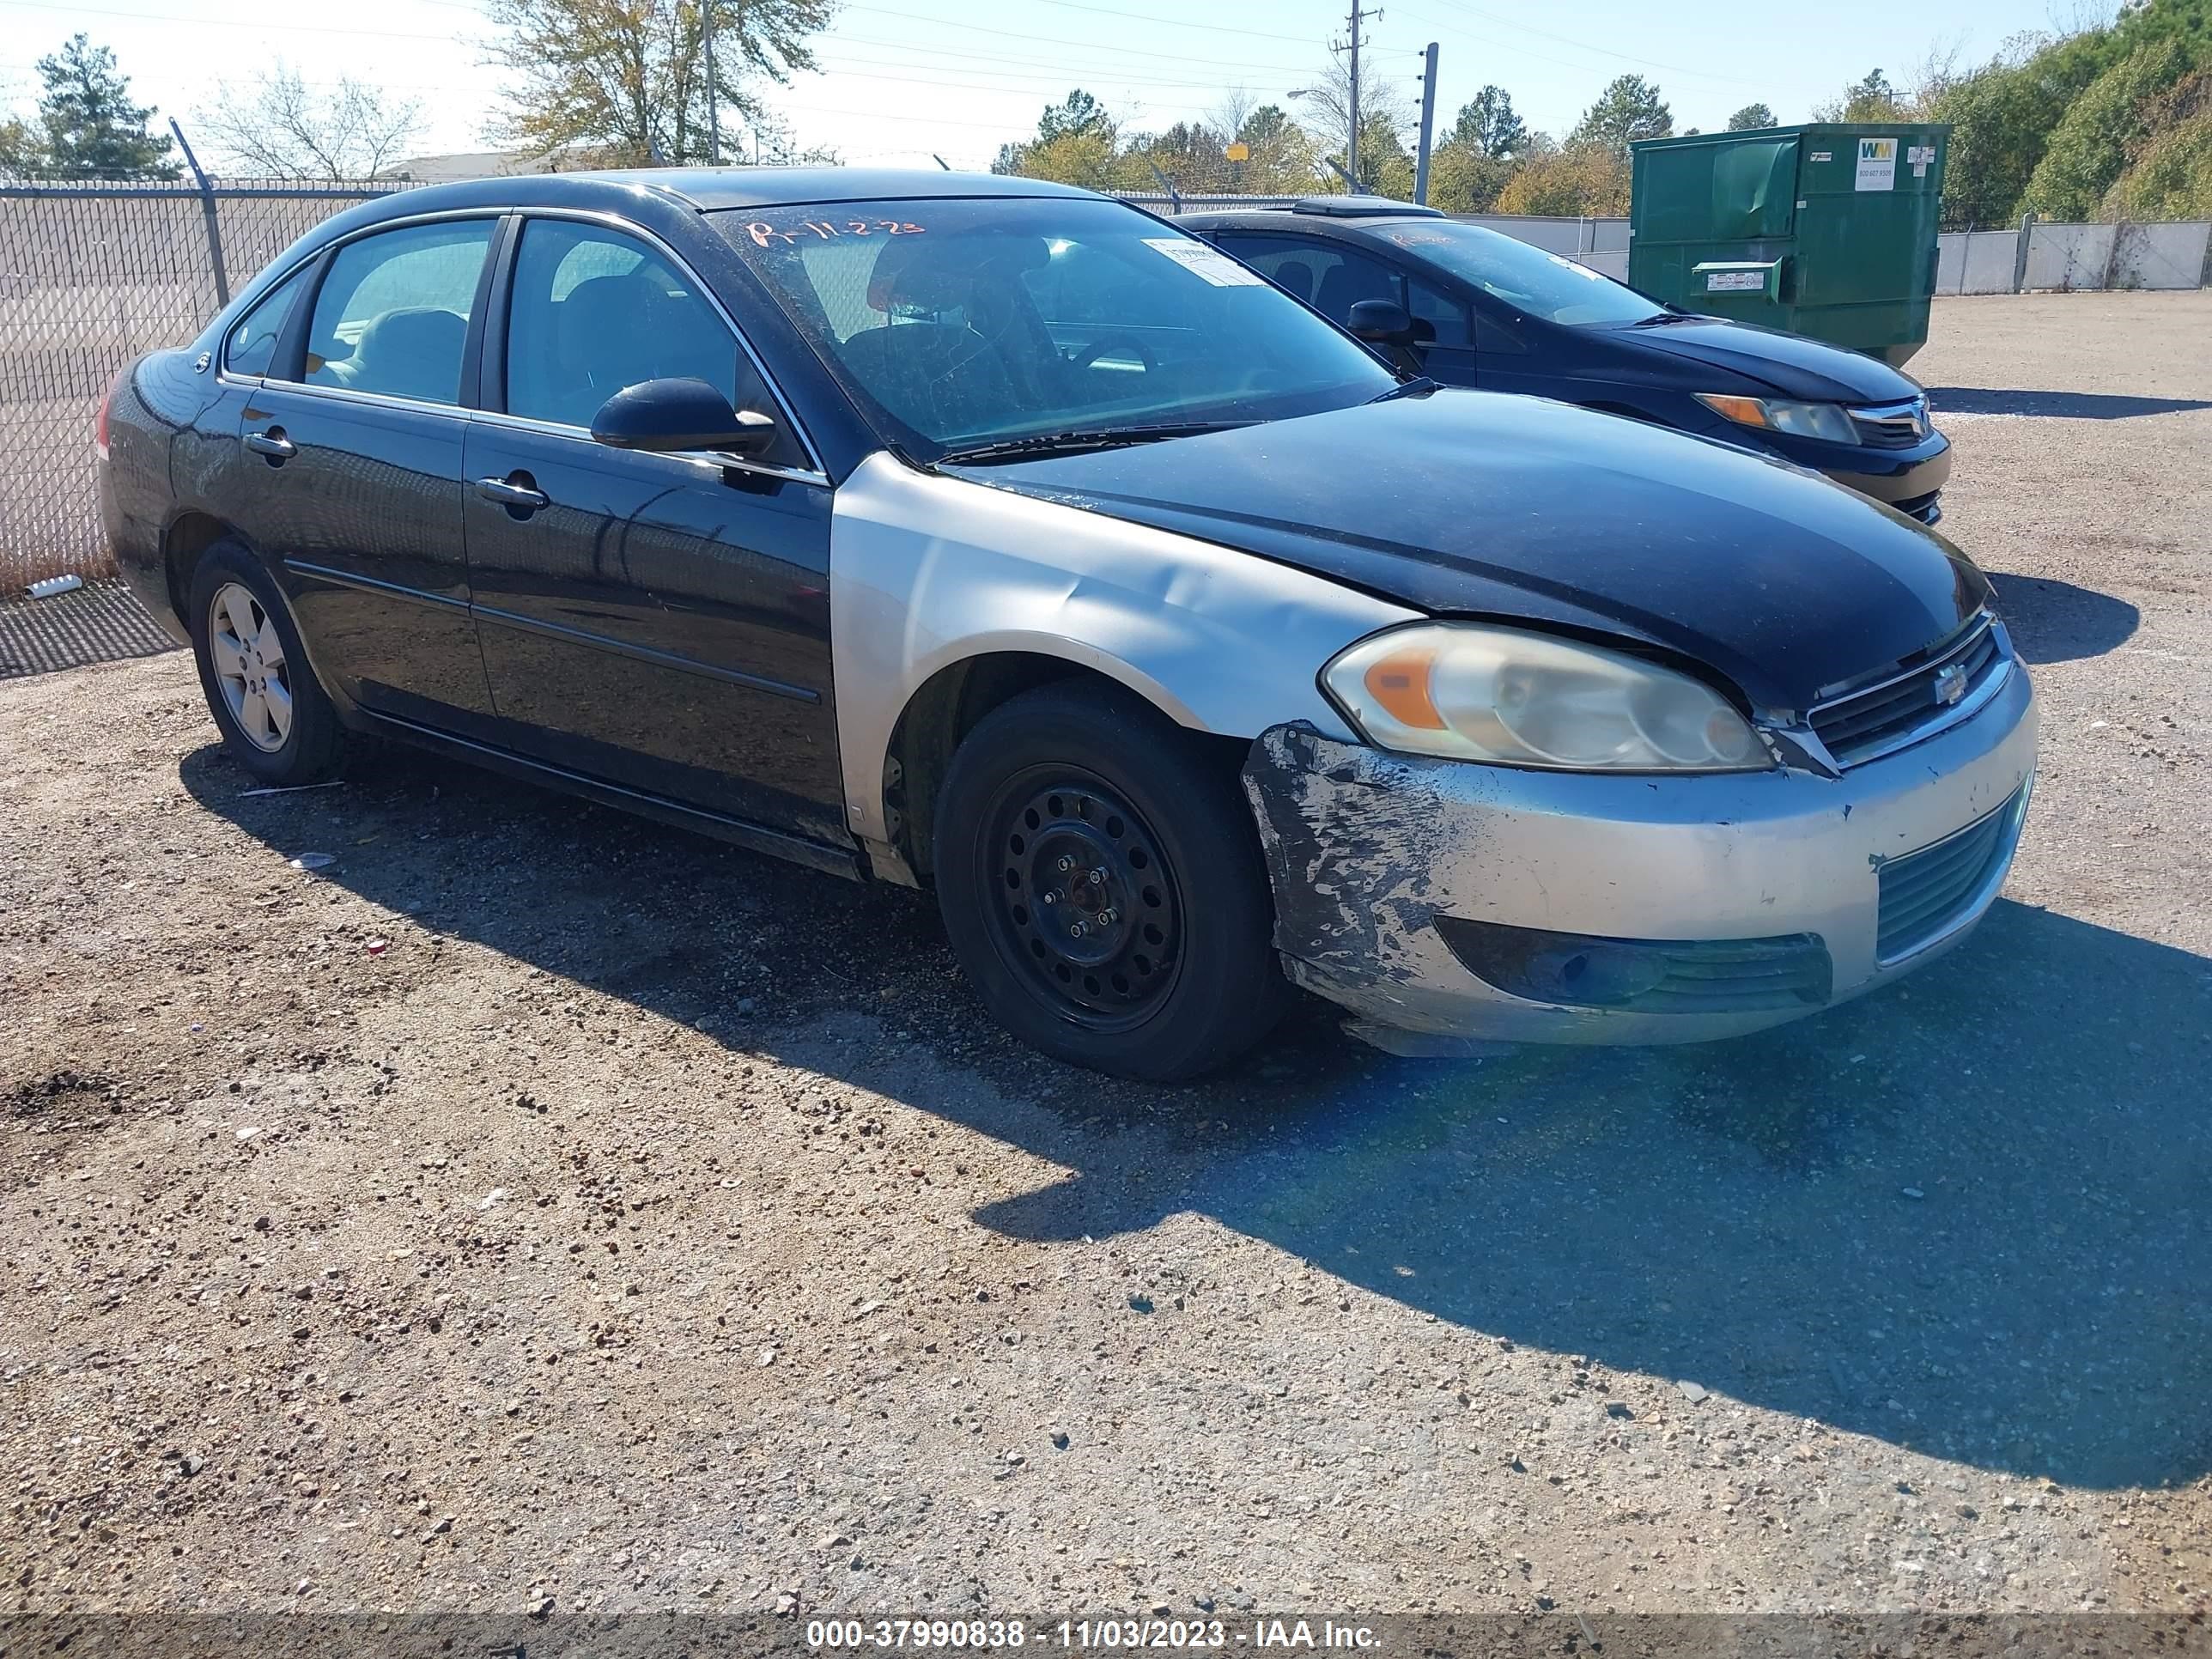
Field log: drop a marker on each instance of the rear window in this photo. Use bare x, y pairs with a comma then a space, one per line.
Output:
1547, 286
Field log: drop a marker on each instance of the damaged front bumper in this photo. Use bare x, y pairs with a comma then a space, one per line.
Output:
1485, 902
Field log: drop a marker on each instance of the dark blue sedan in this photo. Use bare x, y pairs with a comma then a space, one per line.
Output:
1485, 310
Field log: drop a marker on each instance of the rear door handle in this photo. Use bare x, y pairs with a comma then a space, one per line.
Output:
272, 443
508, 494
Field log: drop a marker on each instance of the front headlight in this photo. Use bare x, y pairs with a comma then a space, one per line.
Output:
1825, 421
1468, 692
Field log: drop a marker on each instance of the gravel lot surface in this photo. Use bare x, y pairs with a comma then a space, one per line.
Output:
534, 1204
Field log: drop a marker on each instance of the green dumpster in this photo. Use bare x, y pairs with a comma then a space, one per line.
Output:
1827, 230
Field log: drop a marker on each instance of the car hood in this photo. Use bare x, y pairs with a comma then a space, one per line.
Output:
1472, 503
1790, 363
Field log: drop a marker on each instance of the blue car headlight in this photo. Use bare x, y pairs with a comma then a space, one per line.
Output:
1828, 422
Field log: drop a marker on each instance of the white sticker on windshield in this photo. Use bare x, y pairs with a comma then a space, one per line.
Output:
1209, 263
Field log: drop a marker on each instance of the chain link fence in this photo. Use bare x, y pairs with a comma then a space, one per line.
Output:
91, 274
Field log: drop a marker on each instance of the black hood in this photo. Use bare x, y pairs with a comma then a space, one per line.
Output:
1791, 364
1470, 503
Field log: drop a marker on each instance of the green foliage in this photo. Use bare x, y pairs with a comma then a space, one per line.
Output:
87, 125
1873, 98
2169, 174
2001, 115
1583, 177
1464, 178
1488, 125
2089, 147
1077, 114
1751, 118
1627, 110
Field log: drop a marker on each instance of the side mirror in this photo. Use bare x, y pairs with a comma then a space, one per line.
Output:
1382, 322
680, 414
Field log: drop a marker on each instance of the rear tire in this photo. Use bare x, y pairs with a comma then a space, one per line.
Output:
1100, 879
276, 720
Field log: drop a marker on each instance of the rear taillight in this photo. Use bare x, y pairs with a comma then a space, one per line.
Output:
100, 426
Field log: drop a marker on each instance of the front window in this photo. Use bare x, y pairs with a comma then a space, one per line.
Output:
964, 322
1547, 286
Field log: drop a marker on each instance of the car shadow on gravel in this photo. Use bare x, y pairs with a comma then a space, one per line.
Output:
1966, 1216
2052, 621
2065, 405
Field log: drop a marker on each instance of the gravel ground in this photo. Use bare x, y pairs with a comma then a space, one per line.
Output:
537, 1205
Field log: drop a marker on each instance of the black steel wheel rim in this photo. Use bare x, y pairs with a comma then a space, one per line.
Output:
1084, 907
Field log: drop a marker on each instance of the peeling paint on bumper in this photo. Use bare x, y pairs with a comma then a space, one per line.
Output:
1366, 849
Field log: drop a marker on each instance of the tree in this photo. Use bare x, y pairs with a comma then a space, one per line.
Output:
278, 128
1577, 180
2089, 148
1488, 125
87, 125
2169, 176
1077, 113
1384, 110
1463, 179
1751, 118
1871, 99
1629, 109
624, 81
1283, 160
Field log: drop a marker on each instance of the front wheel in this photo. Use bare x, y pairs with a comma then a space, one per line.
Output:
1100, 879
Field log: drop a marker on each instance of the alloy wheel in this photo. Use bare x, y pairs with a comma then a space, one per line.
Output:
249, 657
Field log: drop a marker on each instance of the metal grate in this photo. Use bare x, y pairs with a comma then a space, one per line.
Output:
1882, 719
1925, 893
1892, 426
91, 274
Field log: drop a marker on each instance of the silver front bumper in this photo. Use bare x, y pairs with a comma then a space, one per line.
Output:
1366, 850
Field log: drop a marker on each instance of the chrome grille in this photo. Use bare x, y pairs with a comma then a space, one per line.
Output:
1925, 893
1917, 704
1892, 426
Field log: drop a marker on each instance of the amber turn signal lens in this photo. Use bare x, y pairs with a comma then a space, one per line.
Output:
1747, 411
1399, 683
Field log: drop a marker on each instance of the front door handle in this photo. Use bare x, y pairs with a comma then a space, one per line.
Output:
272, 443
509, 493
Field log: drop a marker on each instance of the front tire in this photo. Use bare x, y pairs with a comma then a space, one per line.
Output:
1101, 882
276, 719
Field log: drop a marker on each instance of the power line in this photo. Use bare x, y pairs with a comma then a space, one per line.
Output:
1565, 40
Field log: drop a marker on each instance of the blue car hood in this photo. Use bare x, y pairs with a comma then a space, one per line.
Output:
1471, 503
1790, 363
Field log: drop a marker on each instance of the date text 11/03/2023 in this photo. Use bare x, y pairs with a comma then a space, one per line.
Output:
1090, 1635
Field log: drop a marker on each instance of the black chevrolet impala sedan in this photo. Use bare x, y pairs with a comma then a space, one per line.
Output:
997, 538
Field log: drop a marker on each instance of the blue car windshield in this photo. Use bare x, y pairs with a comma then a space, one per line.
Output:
1546, 286
959, 322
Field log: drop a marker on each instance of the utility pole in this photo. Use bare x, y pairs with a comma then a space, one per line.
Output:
1352, 138
1428, 127
714, 107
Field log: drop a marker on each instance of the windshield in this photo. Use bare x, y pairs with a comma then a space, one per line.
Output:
963, 322
1546, 286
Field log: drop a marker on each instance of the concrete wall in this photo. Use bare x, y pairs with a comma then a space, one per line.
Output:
2061, 257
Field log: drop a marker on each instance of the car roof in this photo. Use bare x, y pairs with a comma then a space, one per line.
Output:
1307, 221
709, 189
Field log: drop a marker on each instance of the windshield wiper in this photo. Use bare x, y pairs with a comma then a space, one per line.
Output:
1083, 442
1419, 386
1659, 318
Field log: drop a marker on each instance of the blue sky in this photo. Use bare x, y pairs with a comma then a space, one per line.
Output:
901, 79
